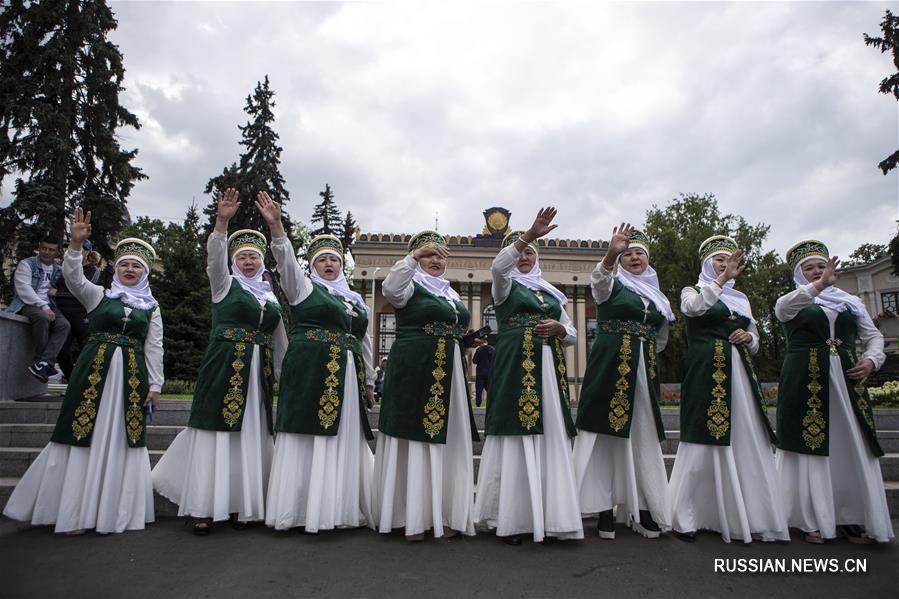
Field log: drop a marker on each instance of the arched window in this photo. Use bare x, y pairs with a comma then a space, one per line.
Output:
489, 317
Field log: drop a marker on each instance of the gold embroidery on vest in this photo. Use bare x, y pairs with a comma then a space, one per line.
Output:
620, 406
435, 410
134, 416
528, 402
86, 412
718, 412
860, 393
563, 371
234, 399
652, 358
330, 401
813, 424
267, 362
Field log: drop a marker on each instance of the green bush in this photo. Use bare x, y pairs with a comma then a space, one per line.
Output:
885, 395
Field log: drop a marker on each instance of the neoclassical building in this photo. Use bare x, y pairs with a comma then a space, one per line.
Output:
879, 290
566, 263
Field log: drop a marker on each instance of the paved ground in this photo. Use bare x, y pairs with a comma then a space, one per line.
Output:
167, 561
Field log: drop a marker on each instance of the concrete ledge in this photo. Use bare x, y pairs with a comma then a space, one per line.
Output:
17, 350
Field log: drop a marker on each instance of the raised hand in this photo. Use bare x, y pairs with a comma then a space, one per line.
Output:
271, 212
430, 249
80, 225
618, 243
541, 225
830, 274
734, 266
227, 204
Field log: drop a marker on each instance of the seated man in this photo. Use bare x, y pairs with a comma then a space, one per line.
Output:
34, 277
74, 312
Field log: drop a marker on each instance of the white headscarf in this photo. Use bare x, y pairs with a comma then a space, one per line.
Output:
534, 281
339, 286
733, 299
257, 286
832, 297
438, 286
646, 285
137, 296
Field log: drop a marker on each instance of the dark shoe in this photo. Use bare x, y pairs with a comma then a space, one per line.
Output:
605, 525
512, 540
855, 534
548, 541
40, 371
51, 371
237, 524
688, 537
202, 527
646, 526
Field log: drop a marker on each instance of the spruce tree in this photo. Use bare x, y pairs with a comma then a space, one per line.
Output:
326, 215
889, 27
60, 79
348, 234
258, 166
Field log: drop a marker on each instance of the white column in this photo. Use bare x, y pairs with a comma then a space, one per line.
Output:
476, 309
581, 324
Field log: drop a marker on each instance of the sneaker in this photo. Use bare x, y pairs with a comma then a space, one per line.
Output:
605, 525
51, 371
39, 371
646, 526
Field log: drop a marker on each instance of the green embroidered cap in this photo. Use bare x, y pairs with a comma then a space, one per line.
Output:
425, 237
639, 239
513, 236
321, 243
806, 249
247, 239
135, 248
715, 244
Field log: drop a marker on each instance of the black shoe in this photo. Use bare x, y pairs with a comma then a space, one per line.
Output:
646, 526
51, 371
202, 527
855, 534
40, 371
605, 525
512, 540
688, 537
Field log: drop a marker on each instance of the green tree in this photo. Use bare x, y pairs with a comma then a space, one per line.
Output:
258, 168
675, 233
889, 27
867, 252
326, 215
60, 79
348, 231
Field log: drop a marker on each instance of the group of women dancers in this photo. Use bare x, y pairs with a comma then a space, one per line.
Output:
311, 467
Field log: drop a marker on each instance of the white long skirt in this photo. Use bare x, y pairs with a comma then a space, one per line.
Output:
526, 483
212, 474
846, 487
106, 486
323, 482
421, 486
625, 473
733, 489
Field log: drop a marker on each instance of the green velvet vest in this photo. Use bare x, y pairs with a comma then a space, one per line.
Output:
514, 396
323, 333
239, 326
109, 329
625, 330
803, 397
416, 396
706, 389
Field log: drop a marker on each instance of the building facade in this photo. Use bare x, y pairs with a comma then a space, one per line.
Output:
878, 288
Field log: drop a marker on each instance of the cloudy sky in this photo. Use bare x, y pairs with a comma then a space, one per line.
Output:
602, 109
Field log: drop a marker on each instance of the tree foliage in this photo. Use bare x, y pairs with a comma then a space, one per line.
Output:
889, 42
867, 252
326, 215
675, 233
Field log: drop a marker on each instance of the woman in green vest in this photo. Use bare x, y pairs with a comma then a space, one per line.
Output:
724, 478
424, 475
618, 455
526, 483
218, 467
828, 450
95, 472
322, 469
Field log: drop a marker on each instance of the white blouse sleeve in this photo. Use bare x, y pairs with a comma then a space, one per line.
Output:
693, 303
397, 286
366, 360
217, 267
753, 331
601, 282
501, 269
84, 291
662, 337
280, 340
789, 305
570, 331
296, 285
153, 352
872, 339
